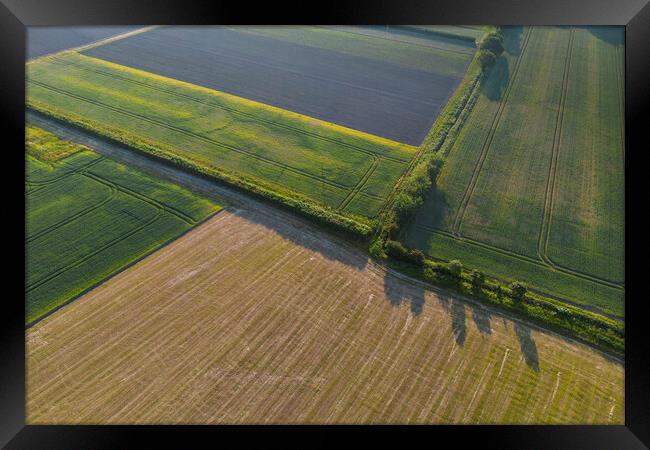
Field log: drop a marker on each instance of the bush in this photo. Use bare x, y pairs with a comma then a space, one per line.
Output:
417, 257
411, 194
492, 42
455, 268
398, 251
477, 278
518, 290
487, 59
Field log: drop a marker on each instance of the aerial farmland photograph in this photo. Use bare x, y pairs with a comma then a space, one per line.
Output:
325, 225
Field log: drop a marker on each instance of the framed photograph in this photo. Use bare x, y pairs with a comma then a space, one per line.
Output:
405, 218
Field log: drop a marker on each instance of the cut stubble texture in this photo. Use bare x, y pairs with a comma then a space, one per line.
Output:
254, 319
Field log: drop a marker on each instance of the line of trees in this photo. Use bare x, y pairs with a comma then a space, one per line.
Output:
490, 47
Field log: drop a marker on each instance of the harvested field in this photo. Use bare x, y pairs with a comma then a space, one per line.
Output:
45, 40
329, 74
217, 133
533, 188
89, 217
256, 318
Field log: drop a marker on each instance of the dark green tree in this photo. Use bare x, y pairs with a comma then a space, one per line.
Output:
455, 268
493, 42
486, 59
477, 278
518, 290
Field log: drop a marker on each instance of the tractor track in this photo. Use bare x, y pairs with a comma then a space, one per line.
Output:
469, 189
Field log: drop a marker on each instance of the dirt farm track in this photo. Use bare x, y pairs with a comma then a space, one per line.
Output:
255, 318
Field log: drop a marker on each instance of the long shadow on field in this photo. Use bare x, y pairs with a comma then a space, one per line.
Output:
499, 75
512, 39
456, 310
527, 345
398, 292
481, 318
305, 236
498, 79
610, 35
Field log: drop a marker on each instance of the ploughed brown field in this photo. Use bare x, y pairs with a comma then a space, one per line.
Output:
252, 318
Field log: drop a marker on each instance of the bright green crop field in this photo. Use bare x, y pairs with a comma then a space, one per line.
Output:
89, 217
289, 153
533, 188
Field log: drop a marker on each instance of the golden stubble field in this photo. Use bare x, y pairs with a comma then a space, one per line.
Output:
258, 319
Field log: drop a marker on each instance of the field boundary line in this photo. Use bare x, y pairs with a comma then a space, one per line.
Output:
359, 87
469, 189
83, 212
236, 111
86, 257
72, 171
93, 44
196, 136
519, 256
144, 198
362, 181
468, 53
121, 269
476, 83
533, 261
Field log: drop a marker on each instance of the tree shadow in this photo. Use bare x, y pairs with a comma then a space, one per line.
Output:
481, 318
513, 39
305, 235
527, 346
613, 35
497, 81
398, 292
458, 324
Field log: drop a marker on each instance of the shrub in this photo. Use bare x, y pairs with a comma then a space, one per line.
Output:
492, 42
518, 290
396, 249
455, 268
487, 59
477, 278
417, 257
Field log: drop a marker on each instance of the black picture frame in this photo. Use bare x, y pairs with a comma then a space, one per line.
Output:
15, 15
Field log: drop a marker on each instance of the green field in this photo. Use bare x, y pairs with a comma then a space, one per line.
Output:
533, 188
88, 217
344, 169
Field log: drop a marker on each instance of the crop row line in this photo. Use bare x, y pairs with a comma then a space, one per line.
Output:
232, 110
78, 262
362, 181
516, 255
469, 189
171, 210
83, 212
191, 134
